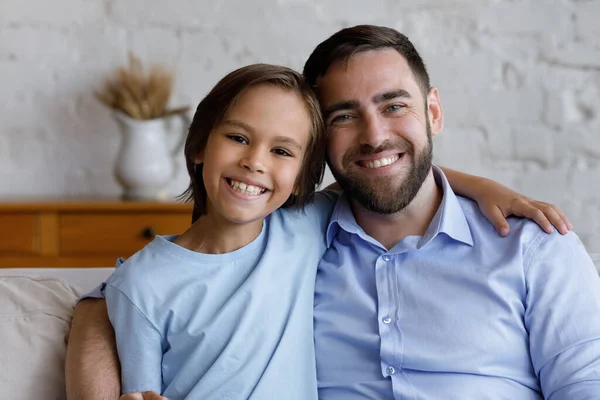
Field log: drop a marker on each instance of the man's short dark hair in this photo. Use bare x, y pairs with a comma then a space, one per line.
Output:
345, 43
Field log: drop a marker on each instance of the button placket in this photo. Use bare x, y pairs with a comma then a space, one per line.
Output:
386, 303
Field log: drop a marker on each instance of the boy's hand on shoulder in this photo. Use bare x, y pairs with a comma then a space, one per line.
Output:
142, 396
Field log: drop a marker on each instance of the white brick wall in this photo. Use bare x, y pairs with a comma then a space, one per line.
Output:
519, 80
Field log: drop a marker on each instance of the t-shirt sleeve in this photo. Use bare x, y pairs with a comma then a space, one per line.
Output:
139, 344
319, 210
563, 317
98, 291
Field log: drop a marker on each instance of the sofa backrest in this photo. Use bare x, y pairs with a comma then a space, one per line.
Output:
35, 318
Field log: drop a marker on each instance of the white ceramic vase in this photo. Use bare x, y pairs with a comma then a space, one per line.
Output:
147, 156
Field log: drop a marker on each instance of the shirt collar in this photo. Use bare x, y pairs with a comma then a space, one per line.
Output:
449, 219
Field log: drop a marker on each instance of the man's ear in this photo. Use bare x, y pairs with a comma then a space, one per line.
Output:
435, 112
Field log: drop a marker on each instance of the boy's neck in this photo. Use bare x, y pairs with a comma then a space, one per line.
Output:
210, 236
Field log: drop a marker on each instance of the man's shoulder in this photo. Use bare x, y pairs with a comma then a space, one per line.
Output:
525, 234
525, 231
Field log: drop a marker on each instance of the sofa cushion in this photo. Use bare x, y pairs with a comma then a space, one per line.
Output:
35, 317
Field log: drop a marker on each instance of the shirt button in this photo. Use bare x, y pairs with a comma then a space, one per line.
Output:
386, 320
391, 370
386, 258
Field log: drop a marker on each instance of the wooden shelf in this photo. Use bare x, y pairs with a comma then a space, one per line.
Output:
82, 233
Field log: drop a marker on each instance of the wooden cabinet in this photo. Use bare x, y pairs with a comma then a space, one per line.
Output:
76, 233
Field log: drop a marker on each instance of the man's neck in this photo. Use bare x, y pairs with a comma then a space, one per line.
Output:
414, 219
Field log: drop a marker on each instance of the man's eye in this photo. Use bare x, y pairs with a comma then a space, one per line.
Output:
340, 118
238, 138
394, 107
282, 152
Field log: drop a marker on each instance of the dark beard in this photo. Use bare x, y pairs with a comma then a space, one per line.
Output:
380, 195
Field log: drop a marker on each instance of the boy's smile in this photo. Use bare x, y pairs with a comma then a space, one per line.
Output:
245, 187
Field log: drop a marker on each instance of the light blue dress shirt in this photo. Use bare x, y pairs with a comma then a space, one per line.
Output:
459, 313
223, 326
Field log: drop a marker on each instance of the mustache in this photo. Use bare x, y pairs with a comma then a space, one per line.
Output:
366, 150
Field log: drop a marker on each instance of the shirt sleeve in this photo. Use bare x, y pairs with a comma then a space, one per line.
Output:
139, 344
563, 317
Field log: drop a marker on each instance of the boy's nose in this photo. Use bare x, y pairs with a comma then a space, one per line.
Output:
252, 162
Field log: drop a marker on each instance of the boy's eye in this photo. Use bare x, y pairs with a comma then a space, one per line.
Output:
282, 152
238, 138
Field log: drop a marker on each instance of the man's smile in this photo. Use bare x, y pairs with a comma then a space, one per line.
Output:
380, 162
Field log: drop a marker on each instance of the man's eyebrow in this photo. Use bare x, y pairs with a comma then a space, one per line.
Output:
342, 105
239, 124
394, 94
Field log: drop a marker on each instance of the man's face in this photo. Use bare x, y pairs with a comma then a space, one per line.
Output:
380, 128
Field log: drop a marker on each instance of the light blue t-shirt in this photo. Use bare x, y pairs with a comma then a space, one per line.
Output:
458, 313
223, 326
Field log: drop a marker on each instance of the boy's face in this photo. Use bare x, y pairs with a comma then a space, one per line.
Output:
253, 157
379, 128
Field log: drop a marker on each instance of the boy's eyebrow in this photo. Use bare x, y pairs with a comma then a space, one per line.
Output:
239, 124
281, 139
288, 141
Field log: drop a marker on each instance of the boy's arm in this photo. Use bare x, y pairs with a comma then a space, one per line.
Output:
92, 365
497, 202
334, 186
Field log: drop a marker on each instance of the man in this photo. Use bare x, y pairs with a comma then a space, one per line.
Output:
373, 140
417, 297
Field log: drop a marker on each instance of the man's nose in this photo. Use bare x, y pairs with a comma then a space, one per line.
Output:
253, 161
373, 131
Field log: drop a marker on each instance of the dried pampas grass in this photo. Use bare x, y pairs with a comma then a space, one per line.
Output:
139, 95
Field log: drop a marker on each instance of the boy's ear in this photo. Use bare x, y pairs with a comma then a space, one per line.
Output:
296, 191
199, 158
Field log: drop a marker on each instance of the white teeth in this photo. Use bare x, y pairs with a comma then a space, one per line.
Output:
246, 189
382, 162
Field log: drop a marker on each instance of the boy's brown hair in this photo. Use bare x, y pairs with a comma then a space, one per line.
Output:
213, 108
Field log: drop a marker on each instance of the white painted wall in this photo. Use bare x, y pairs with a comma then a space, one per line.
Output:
519, 80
